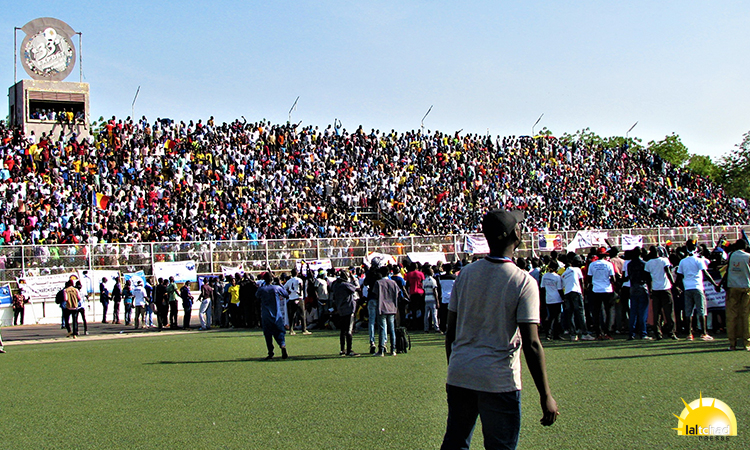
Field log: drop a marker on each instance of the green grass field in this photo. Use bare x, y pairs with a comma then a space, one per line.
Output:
213, 391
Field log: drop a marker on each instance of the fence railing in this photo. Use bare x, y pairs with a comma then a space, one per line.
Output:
280, 255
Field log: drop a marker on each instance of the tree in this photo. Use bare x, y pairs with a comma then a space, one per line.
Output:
671, 149
736, 169
703, 165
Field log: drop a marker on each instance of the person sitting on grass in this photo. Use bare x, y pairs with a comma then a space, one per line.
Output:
272, 315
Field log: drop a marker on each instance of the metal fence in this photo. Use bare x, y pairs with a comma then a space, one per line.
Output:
280, 255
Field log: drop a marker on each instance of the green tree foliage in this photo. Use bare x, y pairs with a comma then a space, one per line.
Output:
671, 149
736, 169
594, 140
703, 165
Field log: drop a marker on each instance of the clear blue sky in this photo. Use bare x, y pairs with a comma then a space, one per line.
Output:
673, 66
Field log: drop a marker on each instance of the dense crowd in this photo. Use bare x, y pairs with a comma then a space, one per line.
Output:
170, 180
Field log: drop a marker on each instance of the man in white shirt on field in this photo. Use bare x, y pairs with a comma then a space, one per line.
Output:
658, 266
601, 277
572, 280
691, 272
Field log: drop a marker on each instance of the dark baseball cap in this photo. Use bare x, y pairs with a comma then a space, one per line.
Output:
498, 224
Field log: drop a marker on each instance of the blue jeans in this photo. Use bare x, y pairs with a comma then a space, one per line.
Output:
500, 414
372, 317
273, 330
390, 319
638, 313
574, 310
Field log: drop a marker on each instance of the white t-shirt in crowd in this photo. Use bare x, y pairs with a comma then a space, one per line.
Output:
691, 268
571, 279
625, 283
600, 272
294, 287
659, 280
552, 284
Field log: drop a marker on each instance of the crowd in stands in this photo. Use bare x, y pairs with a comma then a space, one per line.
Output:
169, 181
62, 116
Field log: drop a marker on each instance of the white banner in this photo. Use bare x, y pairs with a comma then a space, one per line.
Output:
476, 244
714, 299
45, 287
182, 271
313, 266
384, 259
231, 271
631, 241
431, 258
587, 239
91, 280
135, 276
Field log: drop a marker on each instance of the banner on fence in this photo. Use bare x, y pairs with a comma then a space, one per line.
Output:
550, 242
476, 244
135, 276
5, 297
586, 239
93, 278
431, 258
43, 287
314, 266
631, 241
384, 259
228, 271
182, 271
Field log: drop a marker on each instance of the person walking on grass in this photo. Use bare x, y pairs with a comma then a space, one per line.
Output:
172, 298
737, 283
386, 292
140, 302
690, 274
116, 299
344, 306
82, 307
204, 314
431, 290
187, 305
104, 298
70, 308
660, 285
493, 313
272, 299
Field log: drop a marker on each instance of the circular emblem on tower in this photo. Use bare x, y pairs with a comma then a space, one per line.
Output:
47, 51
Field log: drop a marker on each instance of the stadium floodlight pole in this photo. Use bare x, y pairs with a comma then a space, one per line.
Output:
80, 57
15, 55
132, 107
537, 121
631, 129
294, 106
425, 116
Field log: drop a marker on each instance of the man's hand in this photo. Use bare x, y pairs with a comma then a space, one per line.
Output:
549, 411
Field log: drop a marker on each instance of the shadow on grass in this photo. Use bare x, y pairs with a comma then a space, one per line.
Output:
745, 370
658, 355
263, 359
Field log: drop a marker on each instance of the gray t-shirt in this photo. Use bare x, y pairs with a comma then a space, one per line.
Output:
490, 299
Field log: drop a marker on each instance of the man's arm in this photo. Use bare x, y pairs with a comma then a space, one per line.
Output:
534, 354
450, 334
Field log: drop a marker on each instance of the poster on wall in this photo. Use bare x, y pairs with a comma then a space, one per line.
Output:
431, 258
5, 297
313, 266
182, 271
631, 241
43, 287
135, 277
587, 239
550, 242
232, 271
91, 279
476, 244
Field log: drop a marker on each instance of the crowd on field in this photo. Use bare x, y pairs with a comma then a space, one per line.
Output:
174, 181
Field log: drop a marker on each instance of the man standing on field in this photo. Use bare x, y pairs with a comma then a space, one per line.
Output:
493, 312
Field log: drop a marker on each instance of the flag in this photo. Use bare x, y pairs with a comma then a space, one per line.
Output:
102, 201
